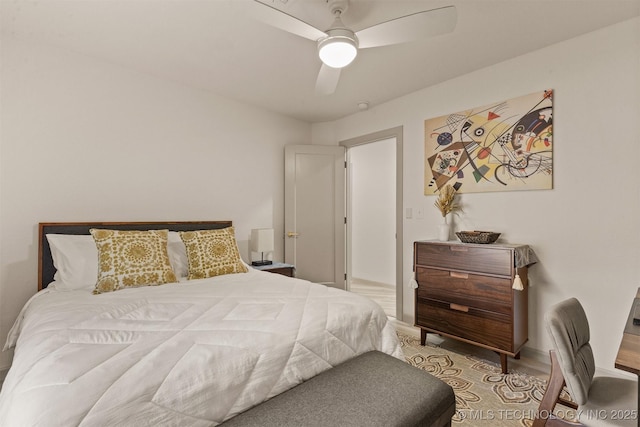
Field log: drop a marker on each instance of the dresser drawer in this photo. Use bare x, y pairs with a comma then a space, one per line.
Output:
488, 260
491, 329
483, 292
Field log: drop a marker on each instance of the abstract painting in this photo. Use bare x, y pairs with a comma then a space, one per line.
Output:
506, 146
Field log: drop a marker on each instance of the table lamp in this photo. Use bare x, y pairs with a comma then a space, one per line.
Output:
262, 241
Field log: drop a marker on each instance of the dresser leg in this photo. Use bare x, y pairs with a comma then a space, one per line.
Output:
423, 336
503, 362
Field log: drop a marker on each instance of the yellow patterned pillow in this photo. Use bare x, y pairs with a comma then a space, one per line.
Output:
212, 253
128, 259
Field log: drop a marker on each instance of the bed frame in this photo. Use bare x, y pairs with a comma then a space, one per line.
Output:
46, 270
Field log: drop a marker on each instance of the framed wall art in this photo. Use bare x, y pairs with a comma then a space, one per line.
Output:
506, 146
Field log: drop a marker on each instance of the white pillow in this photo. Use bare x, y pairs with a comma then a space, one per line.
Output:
75, 258
177, 254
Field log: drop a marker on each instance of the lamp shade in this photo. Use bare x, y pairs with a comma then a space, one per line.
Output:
262, 240
339, 48
338, 53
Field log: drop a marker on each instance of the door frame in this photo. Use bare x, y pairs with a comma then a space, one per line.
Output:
396, 133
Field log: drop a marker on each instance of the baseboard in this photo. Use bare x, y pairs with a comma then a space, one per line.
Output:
537, 355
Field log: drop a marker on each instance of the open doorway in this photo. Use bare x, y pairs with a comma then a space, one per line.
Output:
374, 232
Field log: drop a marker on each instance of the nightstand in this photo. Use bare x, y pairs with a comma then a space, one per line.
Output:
278, 268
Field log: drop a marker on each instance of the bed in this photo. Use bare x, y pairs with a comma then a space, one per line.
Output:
194, 352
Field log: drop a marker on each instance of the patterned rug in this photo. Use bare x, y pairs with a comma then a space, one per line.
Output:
484, 395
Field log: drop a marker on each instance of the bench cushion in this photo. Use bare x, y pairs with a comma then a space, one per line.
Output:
373, 389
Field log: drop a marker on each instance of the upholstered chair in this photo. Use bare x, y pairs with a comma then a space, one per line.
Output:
601, 401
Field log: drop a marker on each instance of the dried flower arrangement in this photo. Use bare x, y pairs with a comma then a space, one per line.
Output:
446, 202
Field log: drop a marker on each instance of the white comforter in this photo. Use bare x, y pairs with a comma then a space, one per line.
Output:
187, 354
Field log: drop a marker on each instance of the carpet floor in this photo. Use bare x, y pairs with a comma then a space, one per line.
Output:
484, 395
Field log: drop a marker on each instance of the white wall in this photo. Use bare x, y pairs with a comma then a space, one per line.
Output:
586, 230
373, 211
85, 140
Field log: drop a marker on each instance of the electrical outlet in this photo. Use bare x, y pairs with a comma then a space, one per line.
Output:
419, 213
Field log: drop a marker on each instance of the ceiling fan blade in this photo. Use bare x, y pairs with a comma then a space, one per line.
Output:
327, 80
408, 28
282, 20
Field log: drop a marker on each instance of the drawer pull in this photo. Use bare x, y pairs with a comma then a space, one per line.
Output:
458, 248
459, 307
459, 275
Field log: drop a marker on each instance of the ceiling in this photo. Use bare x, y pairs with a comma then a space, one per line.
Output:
218, 45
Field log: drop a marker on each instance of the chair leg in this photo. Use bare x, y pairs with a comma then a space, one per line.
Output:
544, 416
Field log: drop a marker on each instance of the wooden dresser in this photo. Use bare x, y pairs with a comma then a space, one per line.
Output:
465, 292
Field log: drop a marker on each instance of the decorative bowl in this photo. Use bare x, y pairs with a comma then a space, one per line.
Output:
482, 237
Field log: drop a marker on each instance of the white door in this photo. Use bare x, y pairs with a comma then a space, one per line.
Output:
314, 217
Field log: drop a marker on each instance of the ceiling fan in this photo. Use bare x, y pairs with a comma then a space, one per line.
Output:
338, 46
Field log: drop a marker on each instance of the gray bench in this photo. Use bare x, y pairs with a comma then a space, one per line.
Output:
373, 389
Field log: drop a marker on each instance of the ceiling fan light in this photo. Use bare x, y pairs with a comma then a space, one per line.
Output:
338, 50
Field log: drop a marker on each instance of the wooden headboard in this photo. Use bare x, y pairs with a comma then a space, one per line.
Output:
46, 270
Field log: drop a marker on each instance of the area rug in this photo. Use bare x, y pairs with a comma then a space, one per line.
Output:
484, 395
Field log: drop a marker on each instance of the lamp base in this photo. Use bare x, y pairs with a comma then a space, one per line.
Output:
259, 263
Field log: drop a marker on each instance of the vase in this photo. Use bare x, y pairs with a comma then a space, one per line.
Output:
444, 230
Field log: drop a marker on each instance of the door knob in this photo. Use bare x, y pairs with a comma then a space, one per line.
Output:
292, 234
